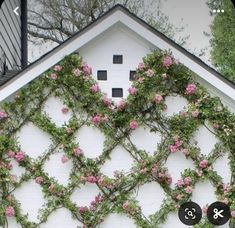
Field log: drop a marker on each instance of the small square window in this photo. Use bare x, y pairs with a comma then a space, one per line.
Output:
132, 75
117, 59
117, 92
102, 75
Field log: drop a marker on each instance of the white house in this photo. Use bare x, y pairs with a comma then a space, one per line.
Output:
113, 46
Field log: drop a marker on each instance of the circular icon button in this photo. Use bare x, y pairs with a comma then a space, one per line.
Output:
190, 213
218, 213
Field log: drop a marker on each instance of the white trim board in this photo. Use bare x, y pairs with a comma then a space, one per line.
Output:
97, 28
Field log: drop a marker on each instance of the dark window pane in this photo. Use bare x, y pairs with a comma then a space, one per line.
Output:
117, 59
132, 75
102, 74
117, 92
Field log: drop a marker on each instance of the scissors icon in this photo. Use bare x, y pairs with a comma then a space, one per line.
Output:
218, 213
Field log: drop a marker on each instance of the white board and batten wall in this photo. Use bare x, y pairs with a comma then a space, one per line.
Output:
98, 53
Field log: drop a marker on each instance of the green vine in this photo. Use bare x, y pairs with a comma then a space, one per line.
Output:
71, 81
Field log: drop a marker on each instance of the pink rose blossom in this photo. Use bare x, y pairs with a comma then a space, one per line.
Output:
233, 214
225, 200
180, 183
19, 156
133, 125
179, 197
173, 148
167, 61
95, 88
64, 110
3, 115
107, 101
203, 164
64, 159
125, 206
195, 113
191, 89
57, 68
11, 154
53, 76
132, 90
178, 143
39, 180
185, 152
77, 72
183, 113
121, 105
158, 98
82, 210
91, 179
96, 119
9, 212
141, 66
150, 73
14, 178
77, 151
187, 180
86, 69
69, 130
216, 126
189, 189
204, 209
169, 179
199, 173
140, 80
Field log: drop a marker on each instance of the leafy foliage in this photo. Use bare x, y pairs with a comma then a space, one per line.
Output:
157, 77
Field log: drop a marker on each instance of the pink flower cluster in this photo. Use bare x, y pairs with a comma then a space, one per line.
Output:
83, 209
95, 202
126, 206
177, 144
86, 69
77, 151
150, 73
107, 101
64, 159
3, 115
189, 189
64, 110
121, 105
77, 72
158, 98
167, 61
133, 124
96, 119
141, 66
57, 68
95, 88
186, 181
233, 214
20, 156
132, 90
10, 212
203, 164
53, 76
39, 180
195, 113
191, 89
91, 179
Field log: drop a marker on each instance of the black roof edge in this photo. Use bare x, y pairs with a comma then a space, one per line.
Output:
146, 25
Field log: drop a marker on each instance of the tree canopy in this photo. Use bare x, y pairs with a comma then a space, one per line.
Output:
223, 38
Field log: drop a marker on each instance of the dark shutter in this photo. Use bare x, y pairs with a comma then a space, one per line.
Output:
117, 92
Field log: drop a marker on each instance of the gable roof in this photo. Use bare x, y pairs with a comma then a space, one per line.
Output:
117, 14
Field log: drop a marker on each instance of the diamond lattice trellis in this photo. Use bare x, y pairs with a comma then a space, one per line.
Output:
87, 109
